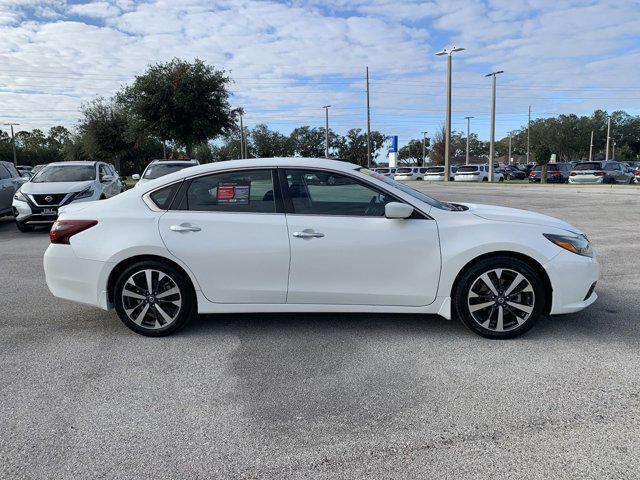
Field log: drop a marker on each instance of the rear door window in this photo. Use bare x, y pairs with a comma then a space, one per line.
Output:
248, 191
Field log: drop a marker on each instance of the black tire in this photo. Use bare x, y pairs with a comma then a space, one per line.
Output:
485, 179
25, 228
532, 297
501, 179
186, 296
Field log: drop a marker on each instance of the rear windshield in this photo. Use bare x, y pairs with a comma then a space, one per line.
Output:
404, 170
550, 168
382, 170
65, 173
161, 169
435, 170
467, 168
588, 166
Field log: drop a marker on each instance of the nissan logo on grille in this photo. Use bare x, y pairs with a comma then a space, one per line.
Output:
48, 198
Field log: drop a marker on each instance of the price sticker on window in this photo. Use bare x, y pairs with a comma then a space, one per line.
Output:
235, 193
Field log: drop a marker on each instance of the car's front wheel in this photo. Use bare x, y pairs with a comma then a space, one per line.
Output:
25, 228
154, 298
499, 297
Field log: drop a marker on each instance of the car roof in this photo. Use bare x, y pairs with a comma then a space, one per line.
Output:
162, 160
271, 162
80, 162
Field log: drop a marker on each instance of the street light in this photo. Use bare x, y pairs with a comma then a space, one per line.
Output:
447, 134
493, 121
468, 125
424, 147
13, 142
326, 130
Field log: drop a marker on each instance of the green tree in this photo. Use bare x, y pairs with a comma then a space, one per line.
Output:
353, 146
412, 152
186, 103
269, 143
310, 142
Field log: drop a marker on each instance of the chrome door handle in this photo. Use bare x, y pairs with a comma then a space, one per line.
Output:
305, 234
185, 227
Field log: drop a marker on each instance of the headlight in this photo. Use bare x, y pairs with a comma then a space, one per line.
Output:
20, 196
578, 244
87, 192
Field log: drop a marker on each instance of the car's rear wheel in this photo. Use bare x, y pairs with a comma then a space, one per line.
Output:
154, 298
499, 297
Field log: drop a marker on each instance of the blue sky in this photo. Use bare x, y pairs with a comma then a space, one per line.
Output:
290, 58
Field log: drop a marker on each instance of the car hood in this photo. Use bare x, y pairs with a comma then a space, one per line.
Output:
54, 187
505, 214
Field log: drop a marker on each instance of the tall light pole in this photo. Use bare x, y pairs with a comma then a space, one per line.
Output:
613, 151
493, 121
13, 143
528, 127
447, 135
424, 147
468, 130
606, 153
509, 161
243, 149
326, 130
591, 147
368, 125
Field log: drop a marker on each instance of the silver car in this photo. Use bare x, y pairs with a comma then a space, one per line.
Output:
599, 172
10, 181
59, 184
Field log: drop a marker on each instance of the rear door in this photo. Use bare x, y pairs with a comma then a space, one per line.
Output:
6, 188
230, 230
344, 251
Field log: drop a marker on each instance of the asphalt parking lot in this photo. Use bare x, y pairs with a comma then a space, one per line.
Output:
329, 395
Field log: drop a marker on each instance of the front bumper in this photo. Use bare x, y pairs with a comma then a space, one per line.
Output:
73, 278
30, 213
572, 277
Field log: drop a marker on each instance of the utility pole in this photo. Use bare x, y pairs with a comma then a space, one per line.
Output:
424, 147
13, 143
613, 151
242, 140
326, 130
468, 130
493, 121
591, 147
447, 135
528, 127
164, 150
606, 153
509, 162
368, 125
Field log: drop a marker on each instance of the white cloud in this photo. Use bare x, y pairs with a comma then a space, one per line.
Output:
95, 10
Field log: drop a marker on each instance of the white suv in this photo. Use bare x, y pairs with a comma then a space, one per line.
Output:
410, 173
436, 174
58, 184
477, 173
160, 168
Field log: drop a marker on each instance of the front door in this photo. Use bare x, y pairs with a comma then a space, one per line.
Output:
344, 251
228, 231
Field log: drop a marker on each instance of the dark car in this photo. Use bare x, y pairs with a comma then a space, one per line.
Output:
556, 172
513, 173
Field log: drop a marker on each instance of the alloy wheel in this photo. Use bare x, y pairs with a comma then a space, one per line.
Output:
501, 300
151, 299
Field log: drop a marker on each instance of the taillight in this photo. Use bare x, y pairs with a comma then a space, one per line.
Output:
599, 174
572, 174
63, 230
557, 174
532, 174
636, 173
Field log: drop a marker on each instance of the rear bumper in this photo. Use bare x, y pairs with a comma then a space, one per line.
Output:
572, 277
467, 178
585, 180
434, 178
74, 278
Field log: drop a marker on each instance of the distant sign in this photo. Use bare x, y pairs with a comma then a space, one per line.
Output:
393, 146
553, 158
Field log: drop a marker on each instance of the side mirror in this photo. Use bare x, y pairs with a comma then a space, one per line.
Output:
397, 210
135, 176
106, 178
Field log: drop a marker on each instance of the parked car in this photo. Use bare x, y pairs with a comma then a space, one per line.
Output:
160, 253
160, 168
556, 173
436, 174
58, 184
37, 168
387, 172
410, 173
600, 172
10, 182
477, 173
513, 173
24, 173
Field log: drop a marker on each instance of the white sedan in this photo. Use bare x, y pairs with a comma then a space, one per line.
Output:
296, 235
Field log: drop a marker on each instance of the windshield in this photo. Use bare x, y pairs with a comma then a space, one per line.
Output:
435, 170
414, 193
383, 170
588, 166
161, 169
65, 173
468, 168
